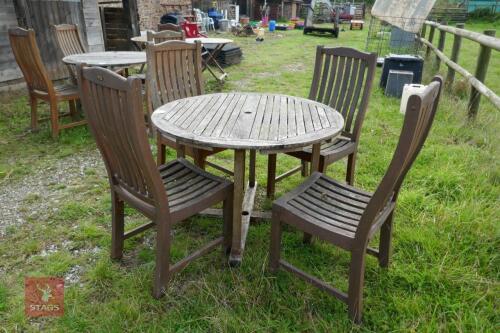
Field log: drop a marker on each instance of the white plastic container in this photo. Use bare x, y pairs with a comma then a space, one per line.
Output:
408, 90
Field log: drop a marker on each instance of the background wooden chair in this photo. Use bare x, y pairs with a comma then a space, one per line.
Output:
166, 194
342, 79
39, 84
174, 72
163, 36
169, 26
70, 42
349, 217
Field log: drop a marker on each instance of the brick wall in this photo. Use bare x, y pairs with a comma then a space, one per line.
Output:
150, 11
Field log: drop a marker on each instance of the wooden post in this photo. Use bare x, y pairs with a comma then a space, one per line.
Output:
441, 41
457, 42
132, 19
431, 37
481, 69
424, 31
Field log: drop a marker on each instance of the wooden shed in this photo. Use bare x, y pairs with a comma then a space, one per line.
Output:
40, 15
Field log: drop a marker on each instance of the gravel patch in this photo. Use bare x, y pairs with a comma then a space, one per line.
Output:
45, 187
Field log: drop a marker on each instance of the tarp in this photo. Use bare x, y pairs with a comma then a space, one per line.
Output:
408, 15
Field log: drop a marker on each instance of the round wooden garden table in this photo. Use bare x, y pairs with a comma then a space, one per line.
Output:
108, 58
247, 121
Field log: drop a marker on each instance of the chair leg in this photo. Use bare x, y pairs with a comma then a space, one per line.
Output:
227, 212
54, 119
34, 116
276, 230
72, 109
356, 280
351, 165
271, 176
161, 151
118, 226
384, 250
304, 171
162, 270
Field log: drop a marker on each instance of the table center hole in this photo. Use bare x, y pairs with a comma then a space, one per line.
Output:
244, 213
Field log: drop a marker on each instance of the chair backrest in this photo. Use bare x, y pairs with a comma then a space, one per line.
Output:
163, 36
28, 58
69, 39
169, 26
174, 71
113, 108
343, 79
419, 116
191, 29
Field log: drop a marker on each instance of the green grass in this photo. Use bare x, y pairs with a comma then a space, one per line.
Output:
444, 274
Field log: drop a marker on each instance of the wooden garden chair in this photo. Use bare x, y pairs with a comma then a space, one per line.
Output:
349, 217
163, 36
39, 84
70, 42
174, 72
169, 26
166, 194
342, 79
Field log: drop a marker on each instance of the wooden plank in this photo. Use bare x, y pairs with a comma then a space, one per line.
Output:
483, 89
485, 40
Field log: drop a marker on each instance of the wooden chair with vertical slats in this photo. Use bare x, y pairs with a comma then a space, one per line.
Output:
39, 84
166, 194
349, 217
174, 72
342, 79
169, 26
163, 36
70, 42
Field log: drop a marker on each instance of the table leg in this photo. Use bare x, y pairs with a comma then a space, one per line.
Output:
314, 167
212, 58
239, 183
181, 151
251, 173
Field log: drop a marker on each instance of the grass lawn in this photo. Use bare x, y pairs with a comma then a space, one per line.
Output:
55, 220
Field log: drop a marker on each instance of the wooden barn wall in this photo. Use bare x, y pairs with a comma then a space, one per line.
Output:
40, 15
8, 67
93, 27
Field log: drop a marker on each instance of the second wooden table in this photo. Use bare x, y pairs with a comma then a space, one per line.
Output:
248, 121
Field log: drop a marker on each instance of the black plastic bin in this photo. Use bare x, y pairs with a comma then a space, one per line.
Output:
414, 64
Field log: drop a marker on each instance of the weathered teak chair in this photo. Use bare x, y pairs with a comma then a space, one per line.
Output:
342, 79
68, 39
70, 42
349, 217
39, 84
166, 194
174, 72
163, 36
169, 26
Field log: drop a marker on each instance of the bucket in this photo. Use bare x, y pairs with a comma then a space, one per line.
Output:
408, 90
272, 25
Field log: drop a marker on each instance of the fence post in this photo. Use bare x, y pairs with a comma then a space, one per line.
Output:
424, 30
481, 70
431, 37
457, 42
441, 41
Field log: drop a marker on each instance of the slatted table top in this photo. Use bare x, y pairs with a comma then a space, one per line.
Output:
248, 121
108, 58
204, 40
